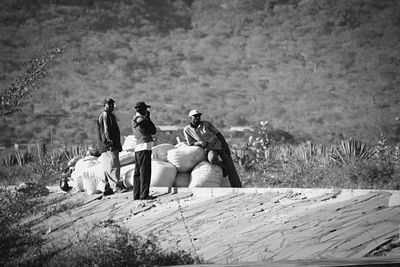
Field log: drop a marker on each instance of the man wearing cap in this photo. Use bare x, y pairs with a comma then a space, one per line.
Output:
204, 134
143, 129
109, 144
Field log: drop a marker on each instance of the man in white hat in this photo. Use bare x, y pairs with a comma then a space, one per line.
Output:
204, 134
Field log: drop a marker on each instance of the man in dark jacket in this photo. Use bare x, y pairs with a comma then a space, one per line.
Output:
143, 129
109, 144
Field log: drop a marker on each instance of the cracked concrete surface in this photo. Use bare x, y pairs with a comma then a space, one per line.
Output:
248, 225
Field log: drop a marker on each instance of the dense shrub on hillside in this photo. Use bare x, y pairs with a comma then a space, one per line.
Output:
347, 164
108, 244
15, 238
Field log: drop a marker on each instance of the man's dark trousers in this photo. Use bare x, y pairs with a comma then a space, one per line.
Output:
141, 179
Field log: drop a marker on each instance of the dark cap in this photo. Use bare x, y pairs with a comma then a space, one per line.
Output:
108, 100
141, 105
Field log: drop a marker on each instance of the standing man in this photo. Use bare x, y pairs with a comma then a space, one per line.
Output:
143, 128
204, 134
109, 147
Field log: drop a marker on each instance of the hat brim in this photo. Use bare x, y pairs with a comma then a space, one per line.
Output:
146, 106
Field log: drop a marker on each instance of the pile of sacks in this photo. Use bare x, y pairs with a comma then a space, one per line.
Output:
179, 166
88, 174
171, 166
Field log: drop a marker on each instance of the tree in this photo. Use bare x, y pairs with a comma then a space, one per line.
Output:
29, 81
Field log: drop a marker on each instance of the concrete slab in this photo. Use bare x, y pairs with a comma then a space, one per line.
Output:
394, 199
367, 262
249, 225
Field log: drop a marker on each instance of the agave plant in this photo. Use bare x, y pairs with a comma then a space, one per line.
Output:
349, 150
17, 158
310, 153
7, 160
283, 153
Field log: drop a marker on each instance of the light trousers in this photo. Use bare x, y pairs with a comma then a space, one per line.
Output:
112, 168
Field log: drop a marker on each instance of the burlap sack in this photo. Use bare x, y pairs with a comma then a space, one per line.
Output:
182, 179
160, 152
127, 173
184, 158
94, 180
129, 143
206, 174
80, 166
126, 158
162, 174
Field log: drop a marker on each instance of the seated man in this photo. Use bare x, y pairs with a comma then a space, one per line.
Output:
204, 134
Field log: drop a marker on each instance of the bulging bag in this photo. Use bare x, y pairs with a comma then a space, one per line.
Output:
94, 180
86, 162
126, 158
160, 152
184, 158
80, 166
129, 143
127, 173
162, 174
182, 179
77, 181
206, 174
127, 180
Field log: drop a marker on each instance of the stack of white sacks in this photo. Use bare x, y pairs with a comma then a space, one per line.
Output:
184, 166
88, 174
172, 166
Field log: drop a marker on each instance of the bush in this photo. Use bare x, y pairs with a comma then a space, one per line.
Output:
15, 239
108, 244
348, 164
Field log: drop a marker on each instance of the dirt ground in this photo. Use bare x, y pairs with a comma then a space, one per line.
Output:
246, 225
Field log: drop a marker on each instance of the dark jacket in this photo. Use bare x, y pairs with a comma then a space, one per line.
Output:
114, 142
143, 129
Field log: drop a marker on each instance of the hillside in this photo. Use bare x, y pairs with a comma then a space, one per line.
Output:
320, 70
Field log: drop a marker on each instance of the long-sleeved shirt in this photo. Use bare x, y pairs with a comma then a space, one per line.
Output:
206, 132
108, 132
143, 129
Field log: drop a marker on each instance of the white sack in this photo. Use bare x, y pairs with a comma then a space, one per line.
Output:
126, 158
127, 173
160, 152
206, 174
86, 162
80, 166
182, 179
94, 180
125, 169
128, 179
76, 181
184, 158
129, 143
162, 174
